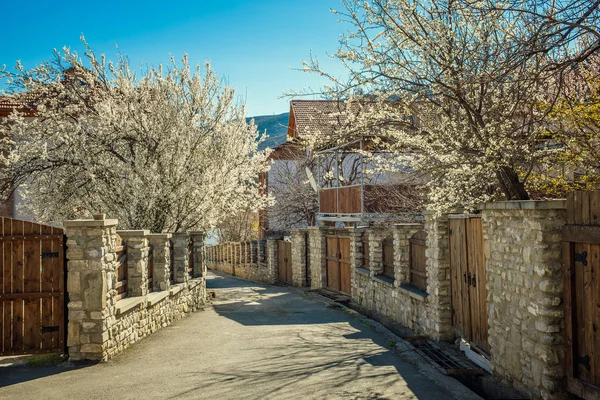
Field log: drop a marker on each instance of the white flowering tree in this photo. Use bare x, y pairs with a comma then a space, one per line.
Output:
167, 150
475, 130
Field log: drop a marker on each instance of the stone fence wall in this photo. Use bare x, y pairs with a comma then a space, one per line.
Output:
99, 325
522, 246
253, 260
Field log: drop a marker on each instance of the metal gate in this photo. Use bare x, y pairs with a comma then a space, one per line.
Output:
338, 264
284, 261
32, 288
581, 265
468, 280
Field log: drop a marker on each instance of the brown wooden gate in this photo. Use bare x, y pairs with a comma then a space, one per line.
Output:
338, 263
468, 280
284, 261
32, 282
581, 266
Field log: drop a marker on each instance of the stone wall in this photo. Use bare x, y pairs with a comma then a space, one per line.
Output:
524, 287
299, 261
318, 272
101, 327
439, 310
525, 294
255, 261
392, 301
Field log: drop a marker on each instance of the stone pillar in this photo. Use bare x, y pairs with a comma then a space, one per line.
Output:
522, 246
439, 311
376, 237
180, 243
356, 255
318, 266
137, 261
271, 261
402, 234
161, 258
299, 266
199, 267
262, 251
90, 284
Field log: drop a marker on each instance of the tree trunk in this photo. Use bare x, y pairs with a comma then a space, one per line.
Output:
510, 185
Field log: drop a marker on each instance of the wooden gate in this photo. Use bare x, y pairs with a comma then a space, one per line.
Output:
284, 261
581, 266
338, 263
468, 280
32, 282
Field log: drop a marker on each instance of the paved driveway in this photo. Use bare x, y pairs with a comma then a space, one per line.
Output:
256, 342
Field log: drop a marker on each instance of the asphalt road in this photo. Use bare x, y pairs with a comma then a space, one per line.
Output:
255, 342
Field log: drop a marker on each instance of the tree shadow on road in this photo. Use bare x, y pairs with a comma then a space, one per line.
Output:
12, 375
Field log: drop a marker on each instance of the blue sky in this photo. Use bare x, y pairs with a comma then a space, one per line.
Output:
252, 44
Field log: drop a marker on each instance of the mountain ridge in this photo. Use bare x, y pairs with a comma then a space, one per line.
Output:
274, 125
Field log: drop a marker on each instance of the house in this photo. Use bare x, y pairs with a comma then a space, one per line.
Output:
9, 208
327, 172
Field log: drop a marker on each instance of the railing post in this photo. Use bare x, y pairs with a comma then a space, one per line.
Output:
200, 262
137, 261
161, 258
272, 272
180, 256
91, 276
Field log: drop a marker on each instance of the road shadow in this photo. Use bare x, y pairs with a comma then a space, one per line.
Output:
335, 364
308, 366
12, 375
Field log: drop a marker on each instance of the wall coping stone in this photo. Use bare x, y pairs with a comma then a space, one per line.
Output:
525, 205
463, 216
156, 297
74, 223
192, 283
363, 271
195, 233
159, 235
176, 288
413, 292
385, 280
181, 234
451, 211
128, 303
132, 232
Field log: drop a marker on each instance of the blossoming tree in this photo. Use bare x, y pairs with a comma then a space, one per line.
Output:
166, 150
453, 102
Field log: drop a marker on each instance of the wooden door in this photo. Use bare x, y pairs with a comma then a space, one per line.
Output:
581, 264
32, 285
333, 263
339, 275
284, 261
345, 266
468, 280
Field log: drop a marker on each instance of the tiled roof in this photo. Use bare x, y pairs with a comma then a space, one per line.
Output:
322, 117
8, 104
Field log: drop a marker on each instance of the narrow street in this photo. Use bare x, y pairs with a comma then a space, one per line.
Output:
256, 342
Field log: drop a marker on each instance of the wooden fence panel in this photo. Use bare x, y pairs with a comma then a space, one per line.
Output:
32, 275
388, 257
417, 260
581, 264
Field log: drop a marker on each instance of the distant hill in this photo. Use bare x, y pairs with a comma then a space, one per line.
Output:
276, 127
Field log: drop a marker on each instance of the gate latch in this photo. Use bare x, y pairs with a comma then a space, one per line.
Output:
585, 361
46, 329
50, 255
581, 257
